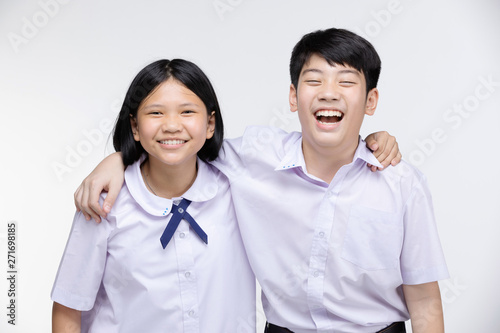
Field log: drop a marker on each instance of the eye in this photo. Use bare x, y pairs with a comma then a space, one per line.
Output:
188, 112
313, 82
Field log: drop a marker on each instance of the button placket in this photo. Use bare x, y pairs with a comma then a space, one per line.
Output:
319, 250
186, 271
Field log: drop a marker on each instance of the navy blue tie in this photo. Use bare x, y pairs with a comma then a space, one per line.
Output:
179, 213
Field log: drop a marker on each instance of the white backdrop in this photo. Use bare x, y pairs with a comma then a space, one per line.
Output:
65, 66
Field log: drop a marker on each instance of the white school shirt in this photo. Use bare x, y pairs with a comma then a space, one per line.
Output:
330, 257
119, 274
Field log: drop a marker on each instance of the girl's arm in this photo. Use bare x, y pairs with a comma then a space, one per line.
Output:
65, 320
424, 304
384, 147
109, 174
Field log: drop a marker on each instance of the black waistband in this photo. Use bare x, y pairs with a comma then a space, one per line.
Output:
398, 327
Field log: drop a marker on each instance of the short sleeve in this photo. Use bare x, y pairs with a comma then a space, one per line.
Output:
422, 258
257, 143
82, 265
229, 161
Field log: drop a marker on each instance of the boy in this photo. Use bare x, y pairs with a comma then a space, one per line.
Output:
334, 247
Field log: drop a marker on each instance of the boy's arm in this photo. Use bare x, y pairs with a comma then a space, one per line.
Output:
384, 147
65, 320
107, 176
424, 304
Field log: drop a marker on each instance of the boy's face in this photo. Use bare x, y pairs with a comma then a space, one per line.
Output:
331, 102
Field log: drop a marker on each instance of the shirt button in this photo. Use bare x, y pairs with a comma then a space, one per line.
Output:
316, 274
191, 313
187, 274
182, 235
321, 234
180, 210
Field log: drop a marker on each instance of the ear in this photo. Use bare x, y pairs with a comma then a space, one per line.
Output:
211, 125
135, 128
292, 98
371, 102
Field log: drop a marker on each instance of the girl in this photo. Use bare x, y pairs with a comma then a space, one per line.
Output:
166, 258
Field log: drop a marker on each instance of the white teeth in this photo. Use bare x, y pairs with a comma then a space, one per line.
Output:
172, 142
329, 113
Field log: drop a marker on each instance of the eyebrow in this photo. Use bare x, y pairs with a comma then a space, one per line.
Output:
312, 70
151, 106
161, 105
349, 71
189, 104
342, 71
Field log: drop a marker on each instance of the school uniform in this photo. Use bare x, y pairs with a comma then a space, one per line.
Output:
118, 273
330, 257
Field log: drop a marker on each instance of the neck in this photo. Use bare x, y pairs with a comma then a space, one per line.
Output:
168, 181
325, 162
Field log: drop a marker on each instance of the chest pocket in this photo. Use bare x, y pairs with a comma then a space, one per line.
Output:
373, 239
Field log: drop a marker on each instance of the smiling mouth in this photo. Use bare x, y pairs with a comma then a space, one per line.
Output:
172, 142
328, 116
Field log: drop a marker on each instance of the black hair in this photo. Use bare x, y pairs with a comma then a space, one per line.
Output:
148, 79
337, 46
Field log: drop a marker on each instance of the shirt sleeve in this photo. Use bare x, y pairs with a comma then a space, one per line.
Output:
257, 143
229, 161
82, 265
422, 258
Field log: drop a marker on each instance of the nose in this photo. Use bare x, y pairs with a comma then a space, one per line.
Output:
171, 124
329, 92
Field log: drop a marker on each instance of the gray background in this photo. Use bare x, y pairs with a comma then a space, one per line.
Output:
67, 64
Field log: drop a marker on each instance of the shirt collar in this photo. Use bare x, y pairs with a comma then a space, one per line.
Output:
365, 154
294, 158
204, 188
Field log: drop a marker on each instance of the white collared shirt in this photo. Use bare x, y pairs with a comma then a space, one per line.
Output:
119, 274
330, 257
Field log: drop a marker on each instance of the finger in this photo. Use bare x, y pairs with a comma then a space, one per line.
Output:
377, 141
86, 203
77, 198
371, 143
382, 142
397, 159
113, 191
392, 155
94, 194
383, 154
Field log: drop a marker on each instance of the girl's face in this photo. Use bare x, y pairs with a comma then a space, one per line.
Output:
172, 124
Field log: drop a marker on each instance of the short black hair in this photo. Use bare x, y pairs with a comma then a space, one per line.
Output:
337, 46
146, 81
